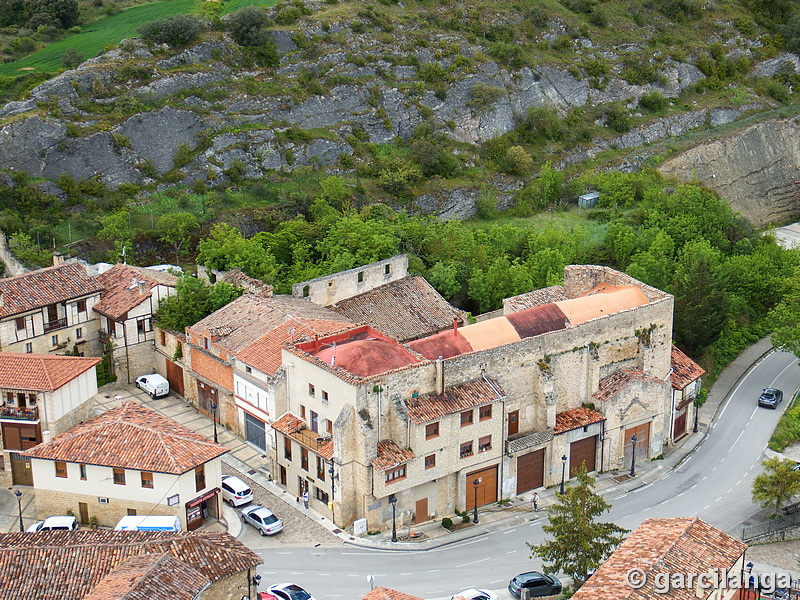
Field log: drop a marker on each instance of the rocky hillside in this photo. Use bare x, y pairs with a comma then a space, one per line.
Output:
149, 115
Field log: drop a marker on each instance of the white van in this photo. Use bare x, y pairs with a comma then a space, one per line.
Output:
154, 384
68, 523
148, 523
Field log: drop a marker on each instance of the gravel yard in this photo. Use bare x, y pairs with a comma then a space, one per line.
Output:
298, 529
782, 555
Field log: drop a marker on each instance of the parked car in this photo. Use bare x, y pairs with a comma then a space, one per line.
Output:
235, 491
538, 585
770, 398
476, 594
266, 596
154, 384
289, 591
262, 519
55, 523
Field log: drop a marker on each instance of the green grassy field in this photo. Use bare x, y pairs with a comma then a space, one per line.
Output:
109, 31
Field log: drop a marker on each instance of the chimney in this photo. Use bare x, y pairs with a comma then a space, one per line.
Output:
58, 259
141, 286
455, 326
439, 375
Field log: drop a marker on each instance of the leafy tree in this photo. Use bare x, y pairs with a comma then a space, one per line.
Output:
226, 248
501, 280
71, 58
579, 542
777, 484
220, 294
248, 26
63, 12
620, 242
25, 250
785, 317
193, 301
443, 276
177, 229
116, 227
174, 30
701, 303
355, 240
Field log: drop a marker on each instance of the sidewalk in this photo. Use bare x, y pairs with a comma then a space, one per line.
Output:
247, 460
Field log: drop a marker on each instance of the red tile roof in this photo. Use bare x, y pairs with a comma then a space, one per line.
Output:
684, 370
43, 287
121, 292
382, 593
681, 546
265, 353
131, 437
298, 430
446, 344
618, 380
150, 577
429, 407
390, 455
41, 372
538, 320
576, 418
67, 565
405, 309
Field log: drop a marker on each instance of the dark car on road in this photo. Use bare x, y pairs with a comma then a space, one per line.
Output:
770, 398
537, 584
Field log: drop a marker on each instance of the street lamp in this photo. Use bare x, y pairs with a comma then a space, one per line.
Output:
393, 501
214, 416
563, 471
18, 494
476, 483
633, 456
252, 582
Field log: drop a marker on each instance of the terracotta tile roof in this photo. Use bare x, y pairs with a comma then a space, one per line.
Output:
297, 429
251, 285
406, 309
684, 370
150, 577
240, 323
602, 301
67, 565
548, 295
121, 292
382, 593
430, 407
44, 287
265, 353
618, 380
683, 545
131, 437
575, 418
538, 320
41, 372
390, 455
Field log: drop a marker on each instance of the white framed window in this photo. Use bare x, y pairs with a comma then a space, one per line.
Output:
79, 333
29, 348
54, 340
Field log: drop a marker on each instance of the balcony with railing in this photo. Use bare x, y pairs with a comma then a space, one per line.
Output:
27, 413
53, 325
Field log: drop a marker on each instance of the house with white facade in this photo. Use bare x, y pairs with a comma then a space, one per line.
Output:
50, 309
129, 460
129, 298
41, 395
686, 377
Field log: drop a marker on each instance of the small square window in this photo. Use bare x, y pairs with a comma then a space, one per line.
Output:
466, 418
430, 461
29, 347
311, 389
83, 472
248, 370
147, 480
79, 333
396, 473
119, 476
466, 449
387, 269
324, 396
81, 306
61, 468
54, 340
328, 426
485, 412
302, 412
206, 343
20, 323
360, 276
485, 443
432, 430
304, 458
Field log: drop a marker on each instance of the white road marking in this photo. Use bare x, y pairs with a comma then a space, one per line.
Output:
324, 574
433, 570
405, 574
704, 478
510, 531
626, 517
714, 469
738, 482
707, 507
474, 562
512, 552
718, 499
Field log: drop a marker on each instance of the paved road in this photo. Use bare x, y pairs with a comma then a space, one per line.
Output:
713, 483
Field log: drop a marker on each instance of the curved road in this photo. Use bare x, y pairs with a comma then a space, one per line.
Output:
713, 483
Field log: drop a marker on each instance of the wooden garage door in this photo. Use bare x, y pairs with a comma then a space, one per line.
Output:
530, 471
175, 377
642, 433
582, 451
487, 488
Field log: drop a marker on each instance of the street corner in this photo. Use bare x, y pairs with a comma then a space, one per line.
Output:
232, 520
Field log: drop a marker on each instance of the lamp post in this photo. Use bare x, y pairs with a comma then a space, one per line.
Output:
393, 501
252, 583
475, 484
563, 472
633, 456
214, 416
18, 494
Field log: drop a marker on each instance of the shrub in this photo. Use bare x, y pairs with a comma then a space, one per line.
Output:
654, 102
121, 141
71, 58
247, 26
63, 13
174, 30
183, 156
617, 118
518, 161
447, 523
482, 96
431, 71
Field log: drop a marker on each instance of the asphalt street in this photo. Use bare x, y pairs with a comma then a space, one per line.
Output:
713, 483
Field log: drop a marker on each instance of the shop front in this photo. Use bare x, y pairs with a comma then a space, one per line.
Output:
202, 508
